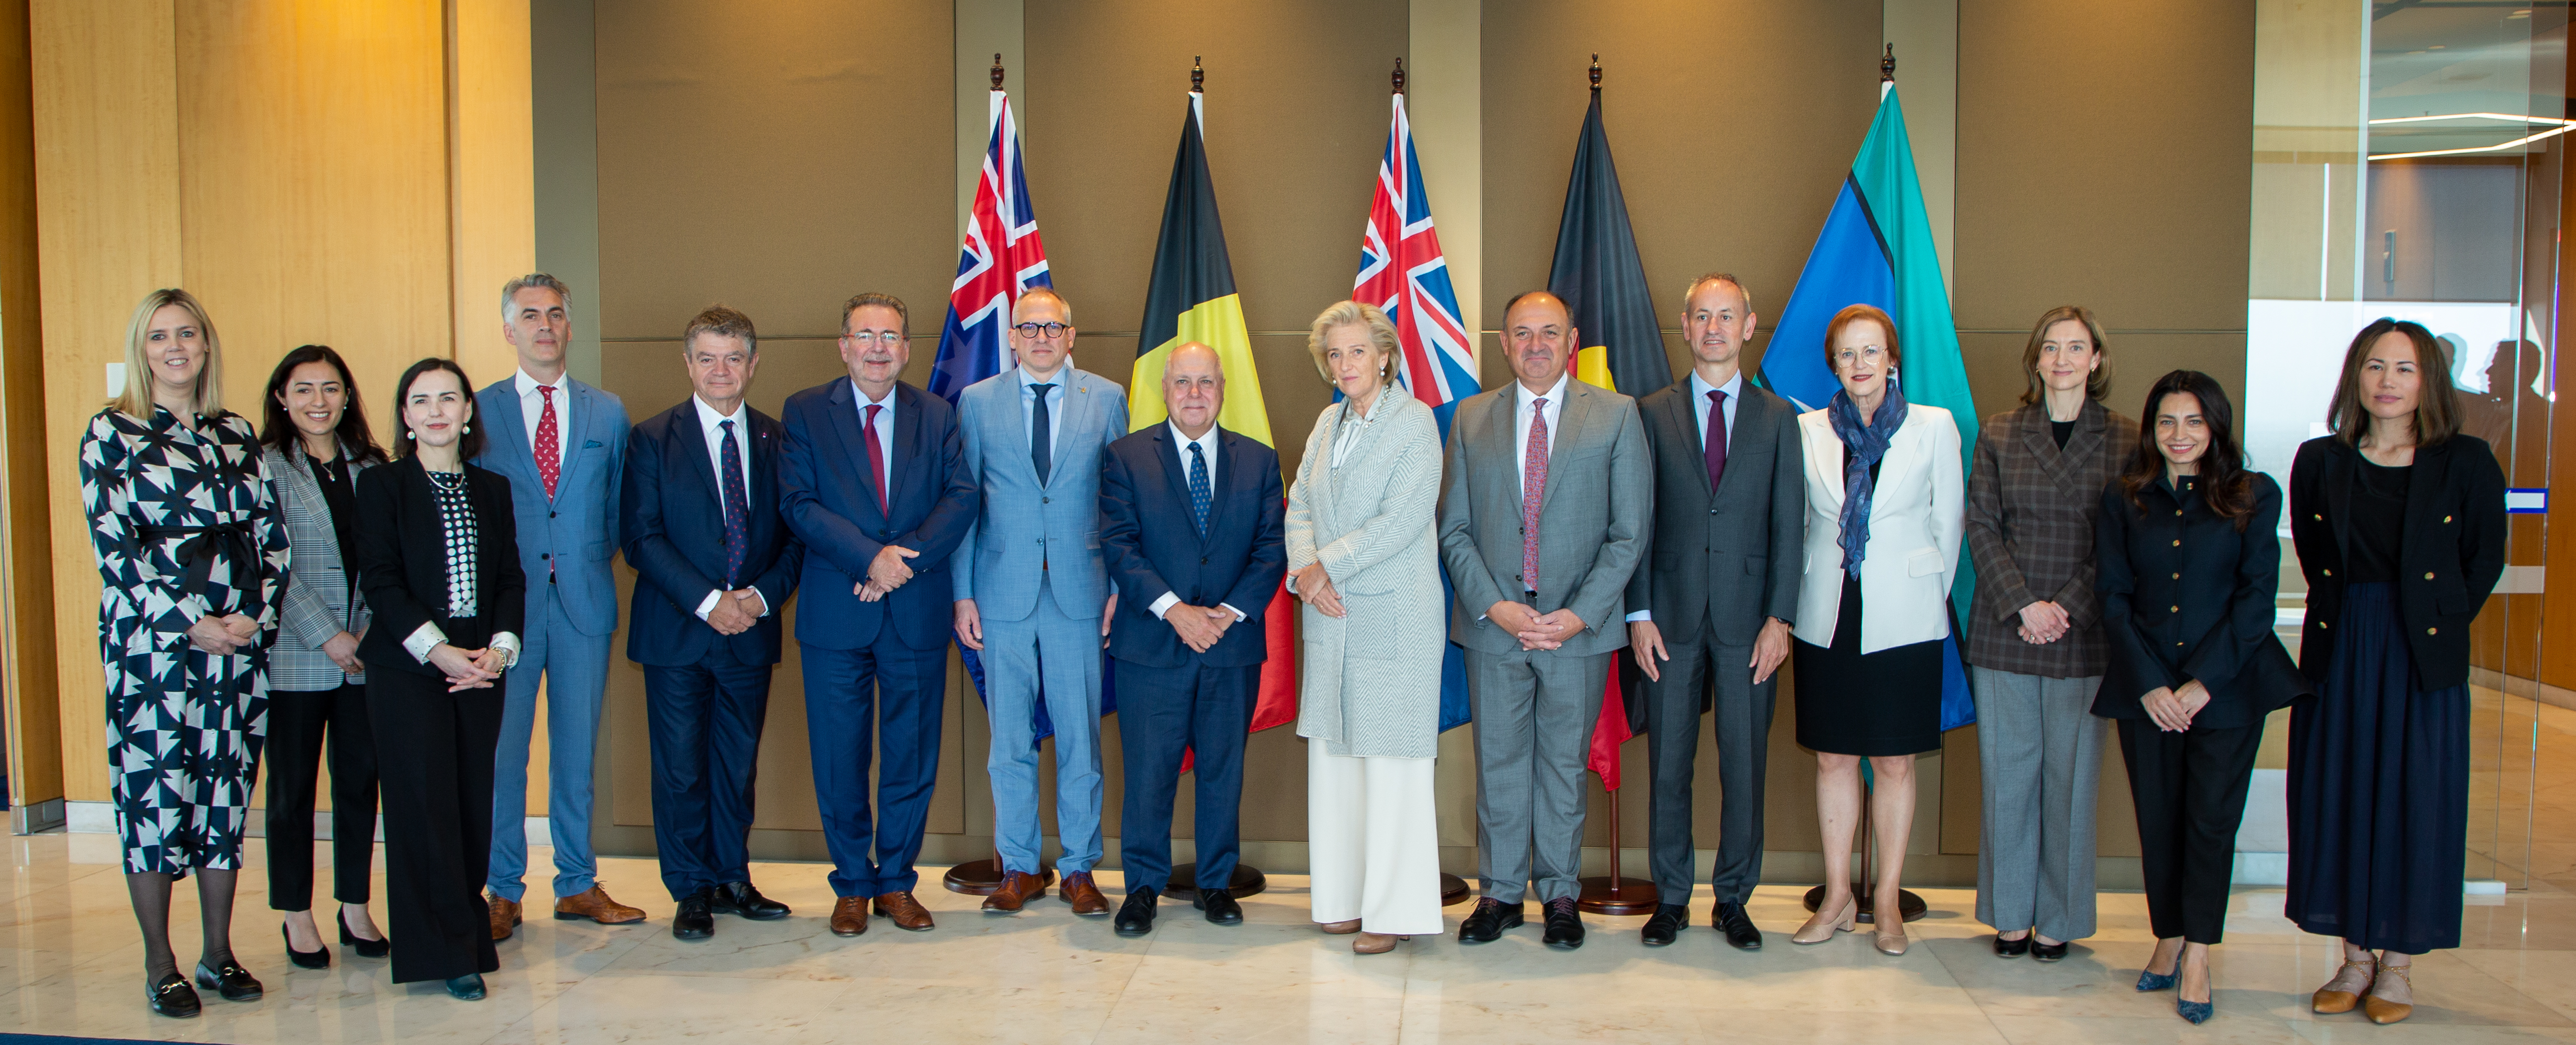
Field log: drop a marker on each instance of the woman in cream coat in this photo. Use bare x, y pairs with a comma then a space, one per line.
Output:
1885, 499
1362, 555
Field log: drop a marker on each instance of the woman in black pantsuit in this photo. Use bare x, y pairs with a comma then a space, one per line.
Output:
2400, 526
2188, 565
437, 555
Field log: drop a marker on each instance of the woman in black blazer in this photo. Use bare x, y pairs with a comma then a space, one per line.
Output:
2400, 525
437, 555
2189, 562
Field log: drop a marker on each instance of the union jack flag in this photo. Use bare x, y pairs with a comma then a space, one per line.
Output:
1002, 257
1403, 273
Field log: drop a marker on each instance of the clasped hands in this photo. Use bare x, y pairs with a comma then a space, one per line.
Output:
2172, 709
223, 635
1199, 626
736, 612
467, 668
2043, 623
886, 572
1537, 631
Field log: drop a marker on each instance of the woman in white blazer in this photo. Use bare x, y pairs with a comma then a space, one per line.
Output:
1885, 494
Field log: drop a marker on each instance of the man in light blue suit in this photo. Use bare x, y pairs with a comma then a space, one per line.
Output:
562, 445
1033, 592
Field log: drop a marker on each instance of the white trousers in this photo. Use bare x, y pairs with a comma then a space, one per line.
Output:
1373, 840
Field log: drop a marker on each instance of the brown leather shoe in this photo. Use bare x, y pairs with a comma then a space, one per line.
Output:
595, 905
505, 917
849, 916
1083, 894
1340, 928
905, 912
1018, 888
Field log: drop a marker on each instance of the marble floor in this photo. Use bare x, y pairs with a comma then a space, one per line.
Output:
69, 964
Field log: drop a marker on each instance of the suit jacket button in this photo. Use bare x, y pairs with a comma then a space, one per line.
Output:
2321, 625
1046, 500
2177, 576
2177, 544
2328, 573
2428, 576
1202, 562
551, 515
545, 555
2446, 518
2177, 609
2432, 631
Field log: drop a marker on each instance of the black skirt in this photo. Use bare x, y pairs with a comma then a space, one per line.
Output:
2379, 791
1878, 704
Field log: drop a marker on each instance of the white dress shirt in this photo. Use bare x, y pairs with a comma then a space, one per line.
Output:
1206, 442
712, 423
1055, 402
1521, 415
885, 421
1734, 389
1354, 422
532, 405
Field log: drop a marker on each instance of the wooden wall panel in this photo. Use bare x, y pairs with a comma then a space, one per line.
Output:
32, 723
491, 172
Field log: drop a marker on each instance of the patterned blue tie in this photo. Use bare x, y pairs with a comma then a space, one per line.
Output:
737, 508
1199, 494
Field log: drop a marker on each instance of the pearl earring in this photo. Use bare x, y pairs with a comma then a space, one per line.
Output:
469, 430
408, 435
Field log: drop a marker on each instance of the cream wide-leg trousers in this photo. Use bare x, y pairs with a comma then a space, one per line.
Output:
1373, 841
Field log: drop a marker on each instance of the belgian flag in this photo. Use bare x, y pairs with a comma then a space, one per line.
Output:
1192, 298
1603, 284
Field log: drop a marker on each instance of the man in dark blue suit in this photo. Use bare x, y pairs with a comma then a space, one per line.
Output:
700, 515
875, 482
1190, 525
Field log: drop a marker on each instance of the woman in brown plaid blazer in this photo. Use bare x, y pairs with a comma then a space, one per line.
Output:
2035, 641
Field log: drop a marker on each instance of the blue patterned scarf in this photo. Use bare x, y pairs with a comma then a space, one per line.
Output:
1864, 444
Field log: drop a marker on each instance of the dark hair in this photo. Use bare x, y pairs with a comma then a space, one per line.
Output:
276, 429
2224, 483
725, 321
2437, 407
1855, 313
2096, 384
902, 315
469, 445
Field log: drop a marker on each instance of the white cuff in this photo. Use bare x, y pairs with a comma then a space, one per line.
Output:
1641, 615
424, 639
764, 600
1169, 600
708, 605
508, 643
1229, 608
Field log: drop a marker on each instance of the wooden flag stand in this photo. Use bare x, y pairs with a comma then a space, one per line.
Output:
984, 877
1615, 894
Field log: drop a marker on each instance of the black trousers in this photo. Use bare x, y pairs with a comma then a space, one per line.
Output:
705, 721
2189, 789
434, 754
1701, 664
299, 724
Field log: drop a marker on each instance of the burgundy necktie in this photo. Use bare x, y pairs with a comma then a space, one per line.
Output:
1714, 447
876, 458
1533, 488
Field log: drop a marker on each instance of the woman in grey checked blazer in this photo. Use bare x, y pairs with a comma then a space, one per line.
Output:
316, 440
1362, 554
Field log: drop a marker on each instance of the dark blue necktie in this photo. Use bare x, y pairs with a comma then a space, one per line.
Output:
737, 508
1199, 494
1041, 434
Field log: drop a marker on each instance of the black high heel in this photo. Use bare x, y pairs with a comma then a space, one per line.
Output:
366, 948
317, 958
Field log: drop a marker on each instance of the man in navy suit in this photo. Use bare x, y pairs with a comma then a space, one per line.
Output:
715, 563
1190, 523
874, 481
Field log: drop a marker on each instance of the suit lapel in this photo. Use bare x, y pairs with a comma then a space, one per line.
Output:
2339, 478
854, 443
764, 470
1679, 414
1825, 457
693, 445
1570, 417
506, 426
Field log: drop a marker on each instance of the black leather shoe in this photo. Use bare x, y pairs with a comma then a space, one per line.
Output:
1564, 924
1486, 923
468, 987
694, 920
1666, 924
375, 948
1220, 906
173, 997
317, 958
2046, 952
232, 981
1737, 926
2011, 948
1136, 916
740, 898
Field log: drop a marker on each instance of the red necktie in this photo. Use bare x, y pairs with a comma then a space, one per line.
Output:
876, 457
549, 442
1533, 488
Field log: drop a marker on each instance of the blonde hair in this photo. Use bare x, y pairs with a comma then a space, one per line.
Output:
1382, 334
136, 400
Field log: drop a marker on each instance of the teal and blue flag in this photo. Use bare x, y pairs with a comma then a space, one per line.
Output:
1876, 249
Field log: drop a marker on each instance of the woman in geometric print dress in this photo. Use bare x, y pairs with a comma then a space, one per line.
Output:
193, 567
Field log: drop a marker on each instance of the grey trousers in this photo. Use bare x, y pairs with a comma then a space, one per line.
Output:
1534, 717
2040, 750
1743, 726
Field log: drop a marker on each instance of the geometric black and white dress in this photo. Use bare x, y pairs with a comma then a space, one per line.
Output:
184, 528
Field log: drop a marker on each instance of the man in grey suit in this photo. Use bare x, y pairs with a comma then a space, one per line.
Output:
1033, 594
1713, 606
1543, 512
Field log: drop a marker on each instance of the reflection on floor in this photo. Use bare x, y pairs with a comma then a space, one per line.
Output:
70, 965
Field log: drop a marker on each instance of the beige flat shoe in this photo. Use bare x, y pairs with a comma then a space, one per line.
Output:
1821, 927
1375, 943
1340, 928
1891, 944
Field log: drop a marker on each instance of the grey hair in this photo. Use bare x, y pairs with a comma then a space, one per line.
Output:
1381, 331
1727, 278
1047, 293
722, 321
510, 291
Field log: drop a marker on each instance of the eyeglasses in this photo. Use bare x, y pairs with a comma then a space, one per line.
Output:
1044, 330
888, 338
1871, 353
